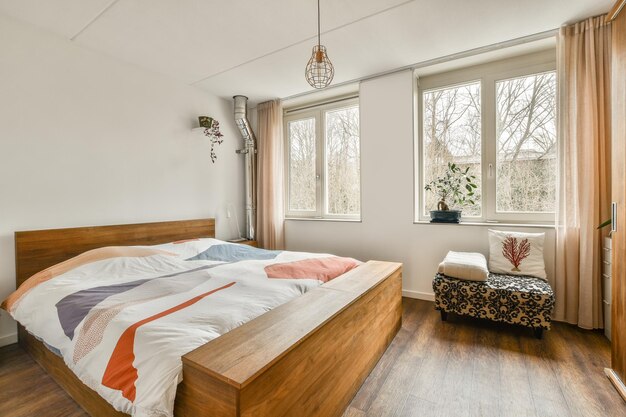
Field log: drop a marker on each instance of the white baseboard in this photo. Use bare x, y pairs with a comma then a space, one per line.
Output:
8, 339
418, 295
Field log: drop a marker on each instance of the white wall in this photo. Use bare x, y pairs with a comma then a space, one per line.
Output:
87, 140
387, 231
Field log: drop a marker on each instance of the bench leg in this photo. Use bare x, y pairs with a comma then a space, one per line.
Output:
444, 315
538, 332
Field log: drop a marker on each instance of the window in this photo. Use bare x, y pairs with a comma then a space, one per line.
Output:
323, 161
452, 133
499, 121
302, 166
526, 144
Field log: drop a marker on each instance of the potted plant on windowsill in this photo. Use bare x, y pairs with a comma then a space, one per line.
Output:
457, 186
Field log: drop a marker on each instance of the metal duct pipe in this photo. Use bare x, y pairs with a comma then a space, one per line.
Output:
249, 150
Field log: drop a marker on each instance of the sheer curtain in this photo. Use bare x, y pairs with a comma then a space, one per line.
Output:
270, 217
585, 169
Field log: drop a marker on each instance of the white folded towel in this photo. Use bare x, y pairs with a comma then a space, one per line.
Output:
465, 265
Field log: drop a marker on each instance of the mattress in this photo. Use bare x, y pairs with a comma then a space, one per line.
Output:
122, 317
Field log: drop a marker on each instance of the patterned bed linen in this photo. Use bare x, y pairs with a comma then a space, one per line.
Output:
123, 317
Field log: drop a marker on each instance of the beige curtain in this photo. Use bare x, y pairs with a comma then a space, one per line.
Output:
270, 218
585, 169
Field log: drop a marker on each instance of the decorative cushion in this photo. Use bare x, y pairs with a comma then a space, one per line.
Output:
515, 253
526, 301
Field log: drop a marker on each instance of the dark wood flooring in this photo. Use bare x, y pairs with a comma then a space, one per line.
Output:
460, 368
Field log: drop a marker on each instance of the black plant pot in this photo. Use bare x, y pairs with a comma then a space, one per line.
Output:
445, 216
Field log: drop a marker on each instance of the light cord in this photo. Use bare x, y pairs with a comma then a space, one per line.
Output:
319, 42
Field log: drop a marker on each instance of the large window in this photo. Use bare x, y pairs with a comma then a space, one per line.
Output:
499, 121
452, 133
526, 144
323, 162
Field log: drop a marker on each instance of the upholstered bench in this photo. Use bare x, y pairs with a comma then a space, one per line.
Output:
521, 300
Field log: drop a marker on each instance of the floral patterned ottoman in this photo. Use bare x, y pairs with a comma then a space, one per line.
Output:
522, 300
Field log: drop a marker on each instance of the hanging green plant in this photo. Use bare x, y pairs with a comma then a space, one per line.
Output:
212, 131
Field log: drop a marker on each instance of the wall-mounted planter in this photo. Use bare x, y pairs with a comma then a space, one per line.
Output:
211, 129
205, 121
445, 216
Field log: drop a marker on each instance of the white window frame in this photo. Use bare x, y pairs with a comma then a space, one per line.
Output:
488, 75
318, 112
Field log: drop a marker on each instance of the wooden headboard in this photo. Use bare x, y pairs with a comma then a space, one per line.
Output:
39, 249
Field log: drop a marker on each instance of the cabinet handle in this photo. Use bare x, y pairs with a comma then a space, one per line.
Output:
613, 217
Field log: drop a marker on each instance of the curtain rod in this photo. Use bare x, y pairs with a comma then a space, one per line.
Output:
447, 58
321, 103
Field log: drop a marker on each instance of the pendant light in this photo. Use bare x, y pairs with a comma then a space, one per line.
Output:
319, 70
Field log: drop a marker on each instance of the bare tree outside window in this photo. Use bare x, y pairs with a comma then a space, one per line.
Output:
451, 122
324, 161
343, 155
302, 195
526, 144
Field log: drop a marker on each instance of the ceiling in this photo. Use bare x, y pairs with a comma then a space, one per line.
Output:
260, 48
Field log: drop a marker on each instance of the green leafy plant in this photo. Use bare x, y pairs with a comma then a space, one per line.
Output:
456, 186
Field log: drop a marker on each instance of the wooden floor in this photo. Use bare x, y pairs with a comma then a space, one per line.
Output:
460, 368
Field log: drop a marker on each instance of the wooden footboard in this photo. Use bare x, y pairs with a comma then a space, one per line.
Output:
305, 358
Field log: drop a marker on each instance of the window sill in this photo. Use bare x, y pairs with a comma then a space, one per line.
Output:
320, 219
491, 224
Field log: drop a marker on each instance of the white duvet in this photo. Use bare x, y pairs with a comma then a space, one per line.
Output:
122, 317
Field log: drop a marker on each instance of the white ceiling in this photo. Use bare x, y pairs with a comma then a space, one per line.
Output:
260, 48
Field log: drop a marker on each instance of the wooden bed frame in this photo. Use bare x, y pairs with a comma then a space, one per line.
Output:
305, 358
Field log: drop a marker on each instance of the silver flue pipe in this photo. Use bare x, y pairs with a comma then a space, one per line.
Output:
249, 151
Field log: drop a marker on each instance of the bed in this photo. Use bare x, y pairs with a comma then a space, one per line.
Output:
306, 357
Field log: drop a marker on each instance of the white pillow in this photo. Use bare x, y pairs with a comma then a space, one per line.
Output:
515, 253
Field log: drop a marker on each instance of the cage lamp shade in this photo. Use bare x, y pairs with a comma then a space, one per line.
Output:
319, 70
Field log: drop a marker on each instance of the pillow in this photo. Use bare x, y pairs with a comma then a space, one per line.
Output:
515, 253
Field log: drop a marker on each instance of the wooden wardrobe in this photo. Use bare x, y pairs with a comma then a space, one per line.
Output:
617, 373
